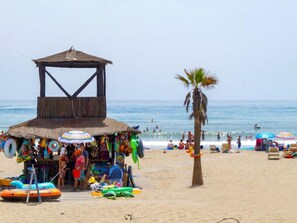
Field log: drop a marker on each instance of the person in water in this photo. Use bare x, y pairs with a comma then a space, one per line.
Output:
229, 139
239, 141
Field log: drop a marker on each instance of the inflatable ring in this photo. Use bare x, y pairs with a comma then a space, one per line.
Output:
10, 147
133, 143
195, 155
140, 149
54, 145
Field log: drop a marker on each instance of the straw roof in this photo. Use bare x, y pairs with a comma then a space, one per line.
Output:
72, 58
52, 128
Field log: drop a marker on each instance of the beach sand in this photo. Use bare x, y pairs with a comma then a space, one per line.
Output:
245, 186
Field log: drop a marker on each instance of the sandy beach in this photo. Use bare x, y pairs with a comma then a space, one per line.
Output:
244, 186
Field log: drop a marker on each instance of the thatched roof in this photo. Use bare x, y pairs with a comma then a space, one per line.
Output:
52, 128
72, 58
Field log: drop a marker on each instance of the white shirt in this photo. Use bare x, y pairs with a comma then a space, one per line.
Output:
63, 151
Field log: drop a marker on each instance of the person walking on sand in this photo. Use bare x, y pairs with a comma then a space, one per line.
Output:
239, 141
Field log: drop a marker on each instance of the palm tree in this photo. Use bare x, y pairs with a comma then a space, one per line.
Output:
196, 80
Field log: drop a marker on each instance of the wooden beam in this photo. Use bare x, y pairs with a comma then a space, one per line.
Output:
42, 80
58, 84
84, 85
104, 85
100, 81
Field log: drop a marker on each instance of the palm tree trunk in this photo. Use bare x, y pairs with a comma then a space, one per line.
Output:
197, 179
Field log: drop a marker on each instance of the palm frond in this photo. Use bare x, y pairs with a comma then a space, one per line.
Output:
204, 102
199, 74
190, 76
188, 103
184, 80
209, 81
191, 115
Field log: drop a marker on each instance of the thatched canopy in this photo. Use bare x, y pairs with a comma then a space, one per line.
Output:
52, 128
72, 58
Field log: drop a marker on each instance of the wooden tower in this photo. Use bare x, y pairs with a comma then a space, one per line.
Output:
72, 106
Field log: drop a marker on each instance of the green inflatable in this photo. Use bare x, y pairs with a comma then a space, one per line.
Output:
112, 193
134, 145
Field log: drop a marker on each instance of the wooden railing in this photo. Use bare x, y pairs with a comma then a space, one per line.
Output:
63, 107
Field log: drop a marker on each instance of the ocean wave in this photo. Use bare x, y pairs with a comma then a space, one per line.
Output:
17, 107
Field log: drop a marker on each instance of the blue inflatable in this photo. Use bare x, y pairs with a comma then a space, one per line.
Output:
41, 186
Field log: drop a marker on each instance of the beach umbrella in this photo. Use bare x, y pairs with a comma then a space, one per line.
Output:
76, 136
285, 136
265, 135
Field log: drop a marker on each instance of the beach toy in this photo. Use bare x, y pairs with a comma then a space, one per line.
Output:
53, 145
19, 159
17, 194
110, 195
134, 146
10, 147
99, 193
140, 149
190, 150
195, 155
19, 185
43, 143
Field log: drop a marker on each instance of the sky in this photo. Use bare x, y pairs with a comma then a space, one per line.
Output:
250, 46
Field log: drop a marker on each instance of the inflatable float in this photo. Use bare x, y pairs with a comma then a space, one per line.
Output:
116, 190
41, 186
19, 194
10, 147
140, 149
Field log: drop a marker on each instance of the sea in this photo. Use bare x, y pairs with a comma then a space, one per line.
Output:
161, 121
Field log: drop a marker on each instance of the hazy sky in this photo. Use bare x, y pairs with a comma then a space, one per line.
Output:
251, 46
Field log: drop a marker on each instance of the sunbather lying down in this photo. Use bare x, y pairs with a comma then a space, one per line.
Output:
231, 151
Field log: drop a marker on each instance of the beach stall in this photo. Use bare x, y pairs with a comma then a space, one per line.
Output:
37, 139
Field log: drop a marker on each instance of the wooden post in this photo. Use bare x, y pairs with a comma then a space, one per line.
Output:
100, 81
104, 86
42, 80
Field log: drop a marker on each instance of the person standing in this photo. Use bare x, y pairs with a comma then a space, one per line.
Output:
203, 135
219, 136
183, 136
229, 139
79, 168
85, 153
190, 136
63, 160
239, 141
